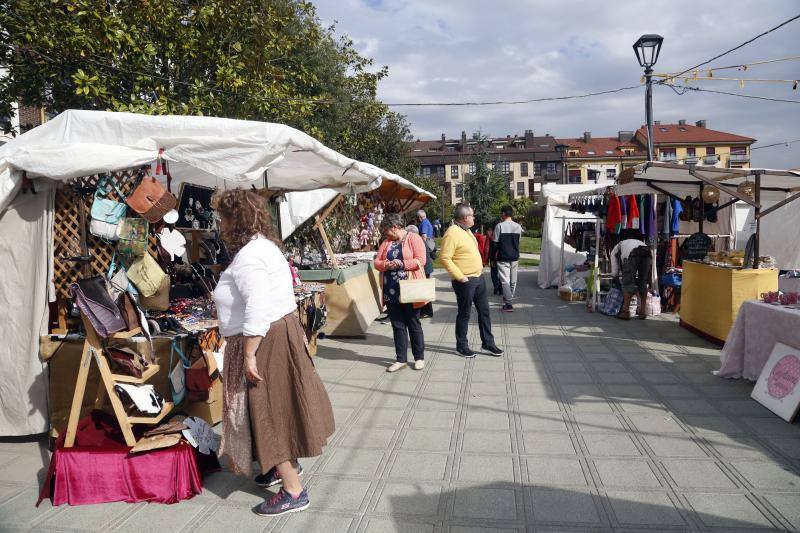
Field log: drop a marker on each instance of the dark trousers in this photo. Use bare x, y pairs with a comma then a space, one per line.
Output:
427, 309
636, 271
495, 278
467, 294
405, 324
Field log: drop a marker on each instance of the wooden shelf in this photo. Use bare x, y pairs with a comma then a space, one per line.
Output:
151, 371
125, 334
152, 419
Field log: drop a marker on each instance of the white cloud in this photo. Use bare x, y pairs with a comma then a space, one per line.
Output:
511, 50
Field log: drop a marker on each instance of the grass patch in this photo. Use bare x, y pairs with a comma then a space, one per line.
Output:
530, 245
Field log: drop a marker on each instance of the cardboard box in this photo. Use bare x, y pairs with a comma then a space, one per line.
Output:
210, 410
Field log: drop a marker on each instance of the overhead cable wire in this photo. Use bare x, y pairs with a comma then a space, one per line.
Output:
751, 96
784, 23
742, 66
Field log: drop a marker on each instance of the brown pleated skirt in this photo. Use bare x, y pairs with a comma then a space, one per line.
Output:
290, 412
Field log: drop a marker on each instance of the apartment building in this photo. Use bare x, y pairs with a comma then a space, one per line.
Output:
525, 160
697, 145
601, 159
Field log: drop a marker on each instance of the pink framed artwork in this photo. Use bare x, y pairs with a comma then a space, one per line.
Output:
778, 386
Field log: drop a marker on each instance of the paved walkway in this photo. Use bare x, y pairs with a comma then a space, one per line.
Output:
587, 424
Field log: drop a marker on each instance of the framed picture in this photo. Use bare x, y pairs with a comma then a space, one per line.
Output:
194, 207
778, 386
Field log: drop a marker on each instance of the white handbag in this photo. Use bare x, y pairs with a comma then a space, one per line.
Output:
414, 291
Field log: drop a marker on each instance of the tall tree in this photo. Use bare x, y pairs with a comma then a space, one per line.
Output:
485, 189
268, 60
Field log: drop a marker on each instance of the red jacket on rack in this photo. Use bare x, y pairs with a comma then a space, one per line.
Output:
614, 217
633, 213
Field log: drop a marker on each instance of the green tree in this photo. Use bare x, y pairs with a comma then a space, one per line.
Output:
485, 189
268, 60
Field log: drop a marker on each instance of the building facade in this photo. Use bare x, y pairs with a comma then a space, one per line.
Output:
526, 161
601, 159
697, 145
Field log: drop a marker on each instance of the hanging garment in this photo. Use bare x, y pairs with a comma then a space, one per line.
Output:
623, 211
651, 220
614, 218
642, 200
677, 209
633, 213
666, 223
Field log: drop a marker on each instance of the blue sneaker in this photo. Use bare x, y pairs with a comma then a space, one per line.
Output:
272, 477
282, 503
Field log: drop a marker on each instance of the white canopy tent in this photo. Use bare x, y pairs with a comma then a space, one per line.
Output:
555, 199
207, 151
770, 216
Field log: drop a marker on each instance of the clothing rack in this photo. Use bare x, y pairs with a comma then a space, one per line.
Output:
596, 279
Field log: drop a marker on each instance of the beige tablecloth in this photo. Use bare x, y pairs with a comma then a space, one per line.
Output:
757, 328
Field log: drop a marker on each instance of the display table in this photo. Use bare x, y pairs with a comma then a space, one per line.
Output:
711, 296
789, 284
757, 328
352, 295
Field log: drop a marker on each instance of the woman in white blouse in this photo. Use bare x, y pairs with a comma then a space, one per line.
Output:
274, 402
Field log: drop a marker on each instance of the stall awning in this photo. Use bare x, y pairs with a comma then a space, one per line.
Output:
206, 151
682, 180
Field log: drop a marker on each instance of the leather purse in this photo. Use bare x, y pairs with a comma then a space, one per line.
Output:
160, 300
417, 290
147, 276
151, 199
126, 361
94, 301
132, 235
106, 214
130, 312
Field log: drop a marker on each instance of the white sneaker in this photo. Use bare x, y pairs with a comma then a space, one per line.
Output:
419, 365
394, 367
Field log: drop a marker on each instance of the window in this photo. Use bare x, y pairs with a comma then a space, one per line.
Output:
574, 175
459, 190
710, 150
610, 152
544, 146
590, 152
520, 188
426, 171
453, 171
537, 169
417, 149
523, 169
451, 148
573, 153
504, 167
499, 146
419, 171
663, 130
690, 152
551, 167
472, 168
667, 154
611, 173
432, 150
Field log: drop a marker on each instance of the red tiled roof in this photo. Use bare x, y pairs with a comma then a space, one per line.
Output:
678, 133
601, 145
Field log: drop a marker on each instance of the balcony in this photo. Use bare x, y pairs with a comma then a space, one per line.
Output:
691, 160
710, 159
551, 176
667, 158
739, 158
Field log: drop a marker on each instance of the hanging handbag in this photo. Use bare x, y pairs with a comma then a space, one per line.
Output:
147, 276
177, 376
94, 301
317, 317
106, 214
417, 290
145, 398
126, 361
151, 199
160, 300
132, 236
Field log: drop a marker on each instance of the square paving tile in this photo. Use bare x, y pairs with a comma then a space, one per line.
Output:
691, 474
497, 388
786, 504
770, 476
585, 391
737, 447
337, 494
692, 407
315, 522
656, 423
535, 389
486, 419
589, 406
573, 505
88, 517
542, 422
368, 437
660, 378
494, 442
575, 378
626, 473
529, 376
409, 498
486, 468
227, 518
443, 402
494, 403
442, 387
554, 471
433, 419
419, 465
537, 404
485, 503
431, 440
163, 515
489, 376
396, 525
726, 511
598, 422
644, 508
600, 444
378, 418
675, 391
354, 462
547, 443
674, 446
789, 446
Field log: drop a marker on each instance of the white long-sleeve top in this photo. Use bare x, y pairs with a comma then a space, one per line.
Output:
255, 290
625, 248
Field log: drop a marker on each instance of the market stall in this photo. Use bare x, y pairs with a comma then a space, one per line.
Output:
110, 253
336, 246
729, 277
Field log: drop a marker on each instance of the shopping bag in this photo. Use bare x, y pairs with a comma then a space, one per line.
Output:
612, 303
652, 304
177, 376
414, 291
106, 214
147, 276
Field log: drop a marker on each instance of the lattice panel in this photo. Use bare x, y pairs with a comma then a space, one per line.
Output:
67, 232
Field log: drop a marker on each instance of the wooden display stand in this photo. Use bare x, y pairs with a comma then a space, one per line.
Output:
93, 349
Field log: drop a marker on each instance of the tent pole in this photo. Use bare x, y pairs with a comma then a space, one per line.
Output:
780, 204
757, 214
563, 230
702, 207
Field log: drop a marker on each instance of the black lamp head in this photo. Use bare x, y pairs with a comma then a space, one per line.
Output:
647, 49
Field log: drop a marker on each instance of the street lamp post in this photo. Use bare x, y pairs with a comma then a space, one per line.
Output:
647, 49
562, 150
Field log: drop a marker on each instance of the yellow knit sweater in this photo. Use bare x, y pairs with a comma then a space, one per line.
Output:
459, 253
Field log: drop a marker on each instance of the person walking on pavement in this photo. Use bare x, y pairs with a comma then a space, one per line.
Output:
461, 258
424, 225
401, 256
506, 237
496, 287
427, 310
426, 231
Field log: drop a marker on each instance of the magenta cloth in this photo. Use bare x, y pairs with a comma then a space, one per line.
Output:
757, 328
99, 469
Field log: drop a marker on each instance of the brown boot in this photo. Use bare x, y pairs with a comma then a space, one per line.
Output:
641, 310
625, 313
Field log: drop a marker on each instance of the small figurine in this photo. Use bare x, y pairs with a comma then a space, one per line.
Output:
364, 237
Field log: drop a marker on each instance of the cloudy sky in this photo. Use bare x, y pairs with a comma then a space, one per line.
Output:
456, 51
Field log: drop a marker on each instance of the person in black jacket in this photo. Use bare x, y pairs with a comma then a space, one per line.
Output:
497, 288
506, 237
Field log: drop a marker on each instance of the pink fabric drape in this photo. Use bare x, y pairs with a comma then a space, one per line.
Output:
99, 469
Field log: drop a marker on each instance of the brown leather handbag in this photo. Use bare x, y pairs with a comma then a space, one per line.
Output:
126, 361
151, 199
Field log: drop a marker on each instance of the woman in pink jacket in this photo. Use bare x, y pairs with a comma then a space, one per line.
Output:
402, 256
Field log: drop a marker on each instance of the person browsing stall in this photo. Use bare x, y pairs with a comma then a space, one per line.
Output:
462, 260
401, 256
274, 403
507, 235
632, 261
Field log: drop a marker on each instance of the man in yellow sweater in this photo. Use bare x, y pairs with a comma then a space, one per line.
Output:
460, 256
